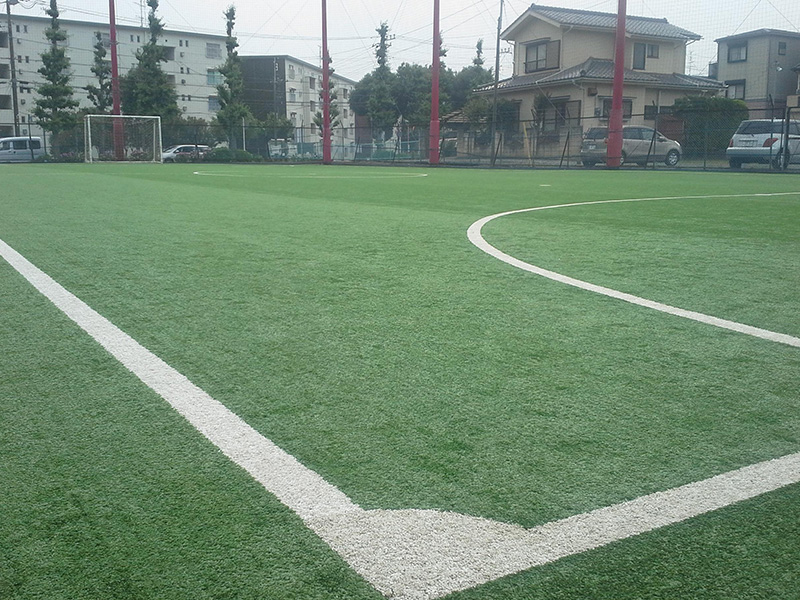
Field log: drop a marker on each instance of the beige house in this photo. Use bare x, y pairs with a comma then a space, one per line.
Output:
563, 67
760, 67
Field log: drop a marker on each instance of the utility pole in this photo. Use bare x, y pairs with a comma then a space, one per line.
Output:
118, 133
13, 58
614, 148
496, 81
433, 154
326, 91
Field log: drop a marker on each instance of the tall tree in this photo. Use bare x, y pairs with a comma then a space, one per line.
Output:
380, 105
468, 78
55, 106
333, 95
146, 89
231, 93
100, 94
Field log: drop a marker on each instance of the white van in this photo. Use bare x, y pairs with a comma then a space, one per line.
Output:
20, 149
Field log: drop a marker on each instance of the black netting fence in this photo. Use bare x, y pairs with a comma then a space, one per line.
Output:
700, 139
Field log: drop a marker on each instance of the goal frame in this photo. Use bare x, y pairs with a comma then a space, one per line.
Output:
87, 134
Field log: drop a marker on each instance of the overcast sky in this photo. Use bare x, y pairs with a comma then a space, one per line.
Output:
294, 26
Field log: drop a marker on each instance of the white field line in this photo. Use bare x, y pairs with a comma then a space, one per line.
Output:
372, 176
475, 236
406, 554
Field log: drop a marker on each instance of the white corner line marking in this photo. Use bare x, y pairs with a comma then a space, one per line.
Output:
475, 236
406, 554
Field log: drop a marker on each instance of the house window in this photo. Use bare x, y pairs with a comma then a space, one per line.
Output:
737, 53
627, 108
639, 56
782, 48
213, 51
542, 55
735, 89
344, 93
213, 77
652, 50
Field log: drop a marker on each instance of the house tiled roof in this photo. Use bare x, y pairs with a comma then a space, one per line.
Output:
598, 69
644, 26
759, 33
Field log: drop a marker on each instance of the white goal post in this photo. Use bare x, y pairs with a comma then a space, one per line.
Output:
122, 138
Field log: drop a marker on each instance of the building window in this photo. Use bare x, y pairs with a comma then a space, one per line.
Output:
186, 43
169, 52
639, 56
292, 95
782, 48
291, 71
312, 82
180, 43
652, 50
293, 118
213, 104
181, 69
213, 51
627, 108
737, 53
345, 92
312, 106
213, 77
735, 89
542, 55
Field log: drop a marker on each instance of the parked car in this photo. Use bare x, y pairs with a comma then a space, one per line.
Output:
762, 141
184, 153
639, 145
20, 149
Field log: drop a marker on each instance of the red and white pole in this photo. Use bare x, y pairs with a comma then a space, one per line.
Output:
326, 91
614, 149
433, 156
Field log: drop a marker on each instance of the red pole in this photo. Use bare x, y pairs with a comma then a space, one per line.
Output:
433, 156
614, 149
119, 152
326, 93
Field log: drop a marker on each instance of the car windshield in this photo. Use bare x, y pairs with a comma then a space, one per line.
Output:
759, 127
596, 133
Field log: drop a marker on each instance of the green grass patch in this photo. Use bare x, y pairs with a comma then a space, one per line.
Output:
343, 313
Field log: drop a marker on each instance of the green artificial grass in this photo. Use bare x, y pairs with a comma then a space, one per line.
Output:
343, 313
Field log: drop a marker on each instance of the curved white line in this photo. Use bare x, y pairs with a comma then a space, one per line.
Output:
474, 235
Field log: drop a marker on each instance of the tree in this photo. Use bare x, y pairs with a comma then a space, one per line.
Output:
100, 95
146, 90
710, 122
232, 109
469, 78
333, 95
372, 96
55, 107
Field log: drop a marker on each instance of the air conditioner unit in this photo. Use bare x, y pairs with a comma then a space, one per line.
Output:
792, 101
592, 91
183, 82
182, 55
22, 101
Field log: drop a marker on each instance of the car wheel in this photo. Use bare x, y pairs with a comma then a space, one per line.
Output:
672, 158
735, 163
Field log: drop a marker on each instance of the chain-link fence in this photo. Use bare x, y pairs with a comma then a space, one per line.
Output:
656, 140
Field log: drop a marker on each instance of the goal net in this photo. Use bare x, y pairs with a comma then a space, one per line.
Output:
122, 138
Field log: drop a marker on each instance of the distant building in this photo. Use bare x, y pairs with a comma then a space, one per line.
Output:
193, 60
760, 67
291, 88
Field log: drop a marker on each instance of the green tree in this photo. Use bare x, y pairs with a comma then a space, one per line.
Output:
333, 96
146, 90
372, 96
411, 90
710, 122
232, 111
55, 106
100, 94
469, 78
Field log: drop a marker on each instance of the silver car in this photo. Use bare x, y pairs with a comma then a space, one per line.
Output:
640, 145
20, 149
762, 141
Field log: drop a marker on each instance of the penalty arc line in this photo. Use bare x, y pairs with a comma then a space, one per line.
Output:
407, 554
476, 237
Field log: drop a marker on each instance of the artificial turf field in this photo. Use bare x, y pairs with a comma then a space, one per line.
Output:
343, 314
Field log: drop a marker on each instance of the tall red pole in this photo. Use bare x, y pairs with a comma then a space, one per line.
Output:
433, 156
326, 92
119, 152
614, 149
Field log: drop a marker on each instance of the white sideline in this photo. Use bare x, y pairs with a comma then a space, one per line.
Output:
475, 236
370, 176
406, 554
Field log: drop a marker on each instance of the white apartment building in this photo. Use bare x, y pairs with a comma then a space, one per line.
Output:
291, 87
193, 60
